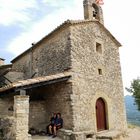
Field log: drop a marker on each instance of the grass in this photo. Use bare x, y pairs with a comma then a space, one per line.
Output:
132, 126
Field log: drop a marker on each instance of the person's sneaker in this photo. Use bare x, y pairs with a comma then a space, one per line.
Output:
53, 136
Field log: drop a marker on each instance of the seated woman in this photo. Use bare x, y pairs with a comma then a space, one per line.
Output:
52, 123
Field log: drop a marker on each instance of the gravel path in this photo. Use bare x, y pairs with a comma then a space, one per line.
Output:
133, 133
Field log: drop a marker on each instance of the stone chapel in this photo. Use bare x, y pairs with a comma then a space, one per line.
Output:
74, 70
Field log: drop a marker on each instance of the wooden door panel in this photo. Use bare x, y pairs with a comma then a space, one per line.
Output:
100, 115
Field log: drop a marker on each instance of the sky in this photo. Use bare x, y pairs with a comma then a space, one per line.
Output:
23, 22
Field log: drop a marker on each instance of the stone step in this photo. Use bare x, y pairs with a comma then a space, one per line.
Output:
44, 138
103, 138
108, 135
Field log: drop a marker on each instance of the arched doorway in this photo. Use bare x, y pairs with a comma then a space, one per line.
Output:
101, 115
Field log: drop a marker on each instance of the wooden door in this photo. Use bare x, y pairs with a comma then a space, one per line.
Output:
101, 115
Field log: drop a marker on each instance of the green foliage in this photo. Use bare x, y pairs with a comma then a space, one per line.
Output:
135, 90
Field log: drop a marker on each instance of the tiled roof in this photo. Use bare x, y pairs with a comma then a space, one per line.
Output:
67, 24
5, 66
5, 69
36, 81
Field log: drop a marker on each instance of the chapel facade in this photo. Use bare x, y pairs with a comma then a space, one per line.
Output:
74, 70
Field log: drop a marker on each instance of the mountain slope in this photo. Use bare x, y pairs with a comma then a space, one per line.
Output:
133, 115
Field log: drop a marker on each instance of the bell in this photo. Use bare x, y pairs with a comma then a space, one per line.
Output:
94, 13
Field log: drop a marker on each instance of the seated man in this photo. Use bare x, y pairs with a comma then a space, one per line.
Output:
58, 124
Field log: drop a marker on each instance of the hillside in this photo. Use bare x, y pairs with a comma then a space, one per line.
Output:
133, 115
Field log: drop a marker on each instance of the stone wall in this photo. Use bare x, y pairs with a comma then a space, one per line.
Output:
14, 118
38, 115
50, 56
23, 65
6, 107
89, 85
7, 131
53, 98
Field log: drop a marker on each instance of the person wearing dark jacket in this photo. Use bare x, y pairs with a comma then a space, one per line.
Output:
52, 123
58, 124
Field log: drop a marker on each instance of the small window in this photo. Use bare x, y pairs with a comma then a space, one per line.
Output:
100, 72
98, 48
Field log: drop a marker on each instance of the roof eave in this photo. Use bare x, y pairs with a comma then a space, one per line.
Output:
36, 82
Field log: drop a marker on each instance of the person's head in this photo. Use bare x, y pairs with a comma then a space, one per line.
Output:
59, 115
54, 115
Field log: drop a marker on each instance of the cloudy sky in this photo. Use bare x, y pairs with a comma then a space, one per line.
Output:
23, 22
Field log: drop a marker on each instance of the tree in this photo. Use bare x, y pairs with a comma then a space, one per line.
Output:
135, 90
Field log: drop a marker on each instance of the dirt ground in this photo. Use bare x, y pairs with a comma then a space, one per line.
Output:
133, 133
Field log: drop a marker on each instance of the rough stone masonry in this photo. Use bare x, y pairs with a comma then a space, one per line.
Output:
90, 99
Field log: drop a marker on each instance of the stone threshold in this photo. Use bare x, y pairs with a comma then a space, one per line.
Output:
109, 135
